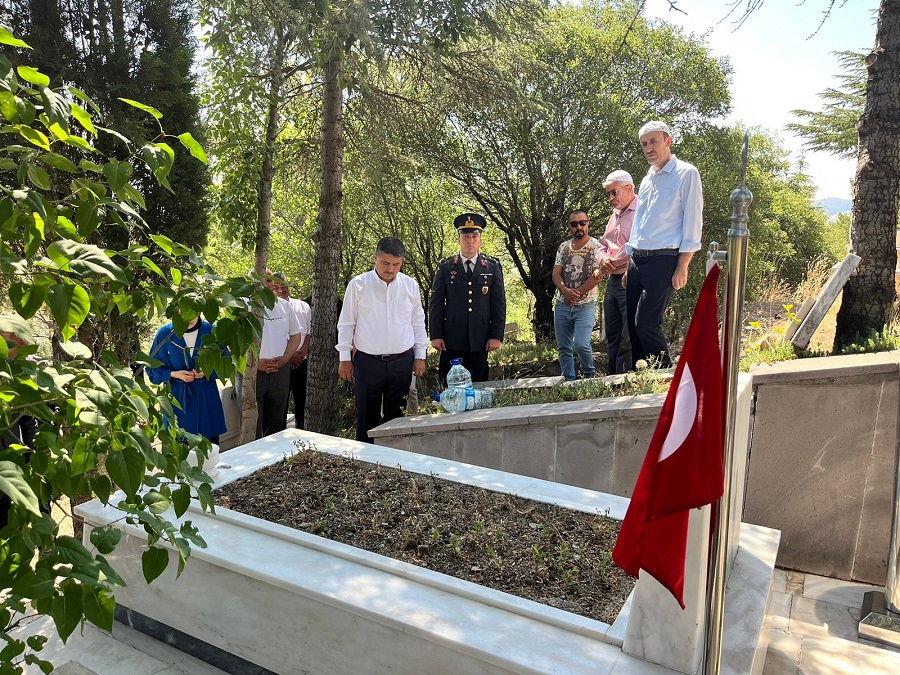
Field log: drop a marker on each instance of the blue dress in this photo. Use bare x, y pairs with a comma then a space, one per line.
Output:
201, 405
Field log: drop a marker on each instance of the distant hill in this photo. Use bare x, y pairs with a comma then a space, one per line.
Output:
835, 205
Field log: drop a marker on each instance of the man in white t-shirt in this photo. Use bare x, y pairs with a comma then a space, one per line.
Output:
299, 358
281, 337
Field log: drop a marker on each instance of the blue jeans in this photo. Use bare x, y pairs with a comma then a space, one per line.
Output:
574, 326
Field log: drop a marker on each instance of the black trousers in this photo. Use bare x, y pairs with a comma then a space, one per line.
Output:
475, 362
298, 393
647, 296
272, 391
615, 316
381, 390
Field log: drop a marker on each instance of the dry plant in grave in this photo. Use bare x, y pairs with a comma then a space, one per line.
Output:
538, 551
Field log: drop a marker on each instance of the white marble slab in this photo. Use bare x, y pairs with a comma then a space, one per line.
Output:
287, 600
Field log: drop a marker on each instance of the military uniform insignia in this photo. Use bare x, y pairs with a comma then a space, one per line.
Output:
484, 290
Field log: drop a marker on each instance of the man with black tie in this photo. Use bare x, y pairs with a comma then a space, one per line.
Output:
467, 312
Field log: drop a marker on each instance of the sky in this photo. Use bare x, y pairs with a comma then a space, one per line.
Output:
782, 60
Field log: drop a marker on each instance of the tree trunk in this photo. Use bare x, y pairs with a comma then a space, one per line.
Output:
249, 409
321, 404
871, 291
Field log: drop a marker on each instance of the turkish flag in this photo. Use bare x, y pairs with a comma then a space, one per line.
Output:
683, 468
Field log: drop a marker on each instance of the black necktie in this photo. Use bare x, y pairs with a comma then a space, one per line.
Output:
468, 269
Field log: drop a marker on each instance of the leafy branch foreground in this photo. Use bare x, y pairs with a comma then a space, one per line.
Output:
538, 551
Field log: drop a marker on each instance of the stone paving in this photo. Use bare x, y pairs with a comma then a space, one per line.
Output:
812, 628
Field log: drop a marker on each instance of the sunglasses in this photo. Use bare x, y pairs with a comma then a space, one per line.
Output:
613, 193
578, 223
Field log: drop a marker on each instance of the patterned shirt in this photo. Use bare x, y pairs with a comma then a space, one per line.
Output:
578, 266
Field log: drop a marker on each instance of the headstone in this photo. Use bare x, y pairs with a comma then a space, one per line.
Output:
826, 299
801, 314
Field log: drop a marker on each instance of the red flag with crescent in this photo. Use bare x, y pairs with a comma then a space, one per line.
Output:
683, 468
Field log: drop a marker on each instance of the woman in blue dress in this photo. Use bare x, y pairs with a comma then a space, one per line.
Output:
201, 405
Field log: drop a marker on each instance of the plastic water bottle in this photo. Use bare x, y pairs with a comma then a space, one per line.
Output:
458, 376
460, 399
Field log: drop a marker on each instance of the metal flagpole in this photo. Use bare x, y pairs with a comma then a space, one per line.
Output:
736, 265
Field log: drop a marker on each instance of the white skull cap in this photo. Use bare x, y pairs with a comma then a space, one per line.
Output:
618, 176
655, 125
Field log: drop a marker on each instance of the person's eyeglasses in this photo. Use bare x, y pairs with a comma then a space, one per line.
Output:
578, 223
613, 193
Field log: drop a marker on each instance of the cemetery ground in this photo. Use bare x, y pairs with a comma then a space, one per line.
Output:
544, 553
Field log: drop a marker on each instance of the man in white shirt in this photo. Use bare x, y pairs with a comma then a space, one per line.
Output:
667, 227
298, 359
281, 337
383, 320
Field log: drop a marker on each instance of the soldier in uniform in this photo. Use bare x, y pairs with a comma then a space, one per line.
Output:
467, 313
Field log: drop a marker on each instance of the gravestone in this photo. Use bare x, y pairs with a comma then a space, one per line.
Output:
825, 300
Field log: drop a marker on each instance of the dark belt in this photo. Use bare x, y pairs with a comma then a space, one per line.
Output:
656, 251
388, 357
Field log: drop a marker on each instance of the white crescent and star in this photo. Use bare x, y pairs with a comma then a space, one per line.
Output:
684, 415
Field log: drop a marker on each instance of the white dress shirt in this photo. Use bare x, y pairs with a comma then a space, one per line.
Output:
304, 314
669, 211
280, 324
380, 318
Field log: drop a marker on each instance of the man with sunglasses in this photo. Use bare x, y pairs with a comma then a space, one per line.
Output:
576, 274
613, 260
467, 311
668, 223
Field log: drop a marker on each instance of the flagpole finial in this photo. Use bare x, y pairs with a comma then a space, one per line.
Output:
745, 153
741, 197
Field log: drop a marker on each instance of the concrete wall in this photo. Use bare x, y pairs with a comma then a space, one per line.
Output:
823, 461
823, 438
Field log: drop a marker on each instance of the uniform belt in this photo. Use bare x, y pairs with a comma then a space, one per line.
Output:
388, 357
655, 251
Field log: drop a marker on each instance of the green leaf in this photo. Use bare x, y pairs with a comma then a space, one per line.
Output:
176, 276
8, 106
69, 304
27, 299
39, 177
84, 98
141, 106
106, 538
33, 76
67, 610
57, 161
14, 486
34, 137
152, 266
159, 157
85, 259
99, 607
117, 173
57, 110
76, 349
67, 228
193, 146
84, 119
157, 502
102, 487
154, 562
181, 500
7, 38
126, 469
34, 586
70, 551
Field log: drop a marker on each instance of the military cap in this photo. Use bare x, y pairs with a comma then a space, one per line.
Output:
467, 222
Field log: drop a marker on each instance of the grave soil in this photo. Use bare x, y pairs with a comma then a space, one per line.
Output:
537, 551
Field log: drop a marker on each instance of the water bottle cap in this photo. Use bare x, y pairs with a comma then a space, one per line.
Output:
455, 362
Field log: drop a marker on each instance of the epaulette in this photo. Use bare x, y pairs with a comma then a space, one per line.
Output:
449, 259
491, 258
